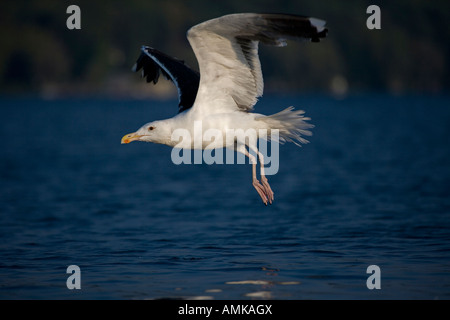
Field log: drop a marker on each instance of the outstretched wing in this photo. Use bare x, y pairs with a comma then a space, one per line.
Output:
153, 62
227, 52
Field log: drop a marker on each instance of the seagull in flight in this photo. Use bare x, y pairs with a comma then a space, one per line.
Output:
223, 94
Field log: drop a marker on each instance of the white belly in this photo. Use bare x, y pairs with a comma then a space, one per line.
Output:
217, 131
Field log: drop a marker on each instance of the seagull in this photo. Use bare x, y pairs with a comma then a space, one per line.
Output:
222, 96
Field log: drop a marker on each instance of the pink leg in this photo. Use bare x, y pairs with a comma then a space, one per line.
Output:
259, 188
267, 189
264, 190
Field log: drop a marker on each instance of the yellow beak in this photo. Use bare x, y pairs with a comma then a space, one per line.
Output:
130, 137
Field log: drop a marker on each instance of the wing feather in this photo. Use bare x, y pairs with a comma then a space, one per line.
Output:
227, 52
153, 62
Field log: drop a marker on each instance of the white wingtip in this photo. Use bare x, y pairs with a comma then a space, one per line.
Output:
319, 24
281, 42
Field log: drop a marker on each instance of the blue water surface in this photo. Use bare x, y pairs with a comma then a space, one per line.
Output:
372, 188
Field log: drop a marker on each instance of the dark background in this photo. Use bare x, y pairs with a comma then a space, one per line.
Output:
39, 54
372, 187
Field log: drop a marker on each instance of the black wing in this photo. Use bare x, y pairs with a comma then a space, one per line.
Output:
152, 62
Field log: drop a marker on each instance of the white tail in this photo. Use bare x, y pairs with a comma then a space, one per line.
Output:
291, 125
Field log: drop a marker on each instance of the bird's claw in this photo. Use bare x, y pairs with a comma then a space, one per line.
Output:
264, 191
267, 189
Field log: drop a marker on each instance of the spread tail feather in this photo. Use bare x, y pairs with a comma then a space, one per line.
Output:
291, 125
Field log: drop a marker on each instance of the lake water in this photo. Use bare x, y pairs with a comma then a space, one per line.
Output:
372, 188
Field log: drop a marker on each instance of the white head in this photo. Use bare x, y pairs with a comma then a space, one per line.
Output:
156, 132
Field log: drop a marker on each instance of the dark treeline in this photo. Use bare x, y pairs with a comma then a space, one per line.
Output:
39, 54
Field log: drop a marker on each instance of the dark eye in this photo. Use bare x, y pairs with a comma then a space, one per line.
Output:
151, 128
